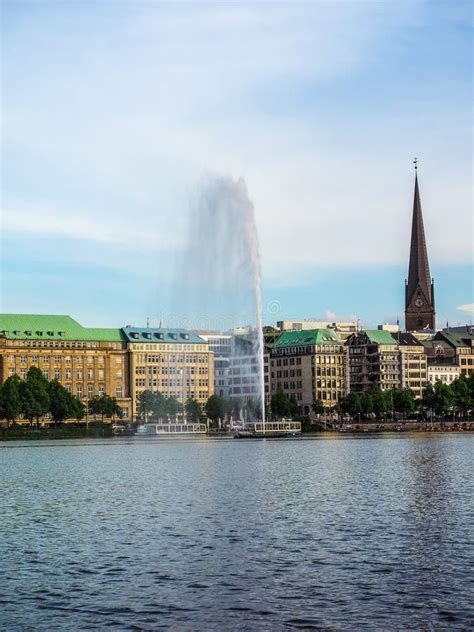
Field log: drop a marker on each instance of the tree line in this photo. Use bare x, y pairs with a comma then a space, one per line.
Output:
155, 406
36, 397
439, 399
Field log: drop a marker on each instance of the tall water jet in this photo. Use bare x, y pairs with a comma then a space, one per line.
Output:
218, 285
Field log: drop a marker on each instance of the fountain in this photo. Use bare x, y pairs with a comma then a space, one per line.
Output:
219, 278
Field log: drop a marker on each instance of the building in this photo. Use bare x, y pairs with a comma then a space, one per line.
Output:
446, 373
221, 345
344, 329
309, 365
413, 363
174, 362
373, 358
244, 370
87, 361
461, 342
419, 288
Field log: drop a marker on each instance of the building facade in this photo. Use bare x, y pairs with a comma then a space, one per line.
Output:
87, 361
309, 365
174, 362
373, 358
413, 363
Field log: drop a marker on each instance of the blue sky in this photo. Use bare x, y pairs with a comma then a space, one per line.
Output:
113, 112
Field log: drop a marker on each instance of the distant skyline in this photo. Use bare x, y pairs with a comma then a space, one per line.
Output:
113, 112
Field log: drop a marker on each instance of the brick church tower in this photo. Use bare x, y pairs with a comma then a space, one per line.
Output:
419, 289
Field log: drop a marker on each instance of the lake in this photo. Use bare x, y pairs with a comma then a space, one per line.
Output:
216, 534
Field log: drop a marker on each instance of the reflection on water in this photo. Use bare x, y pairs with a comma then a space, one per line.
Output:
334, 534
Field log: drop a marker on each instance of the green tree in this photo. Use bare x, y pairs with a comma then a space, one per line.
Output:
62, 404
10, 399
379, 402
173, 406
443, 398
280, 404
216, 408
429, 398
34, 392
461, 394
366, 404
403, 400
105, 406
146, 401
318, 407
193, 409
351, 404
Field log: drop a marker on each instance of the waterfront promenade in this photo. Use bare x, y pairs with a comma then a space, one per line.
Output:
361, 532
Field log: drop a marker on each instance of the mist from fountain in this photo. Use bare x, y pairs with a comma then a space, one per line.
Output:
218, 285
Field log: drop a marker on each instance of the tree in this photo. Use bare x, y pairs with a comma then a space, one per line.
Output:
280, 404
34, 392
193, 409
146, 401
216, 408
173, 406
429, 397
105, 406
10, 399
366, 404
443, 398
461, 393
62, 403
351, 404
379, 400
318, 407
402, 400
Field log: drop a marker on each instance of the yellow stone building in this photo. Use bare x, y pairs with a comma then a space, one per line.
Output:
174, 362
87, 361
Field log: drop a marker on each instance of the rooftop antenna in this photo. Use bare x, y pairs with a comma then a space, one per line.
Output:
415, 162
147, 322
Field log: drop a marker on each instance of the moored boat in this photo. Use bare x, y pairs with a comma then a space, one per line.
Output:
269, 429
153, 429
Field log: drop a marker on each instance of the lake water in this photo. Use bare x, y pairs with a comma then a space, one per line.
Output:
199, 534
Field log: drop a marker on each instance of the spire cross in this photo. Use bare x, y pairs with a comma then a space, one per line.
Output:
415, 162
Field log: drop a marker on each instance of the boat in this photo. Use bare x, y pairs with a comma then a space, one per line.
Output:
172, 429
269, 429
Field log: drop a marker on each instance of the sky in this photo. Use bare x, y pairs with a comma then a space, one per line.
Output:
113, 112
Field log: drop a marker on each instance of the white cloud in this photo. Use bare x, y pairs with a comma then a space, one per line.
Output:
468, 308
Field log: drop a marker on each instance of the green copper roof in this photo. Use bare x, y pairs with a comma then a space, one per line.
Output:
309, 337
380, 337
52, 327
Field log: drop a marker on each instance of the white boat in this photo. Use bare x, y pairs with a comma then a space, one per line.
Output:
172, 429
282, 428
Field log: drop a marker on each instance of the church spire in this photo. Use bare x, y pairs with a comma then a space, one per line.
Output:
419, 294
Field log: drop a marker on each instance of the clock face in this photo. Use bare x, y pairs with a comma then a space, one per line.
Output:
419, 302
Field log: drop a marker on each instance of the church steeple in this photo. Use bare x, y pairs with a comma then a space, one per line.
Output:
419, 290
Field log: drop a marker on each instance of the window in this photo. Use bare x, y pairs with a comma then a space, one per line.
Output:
90, 374
68, 374
79, 374
46, 374
57, 359
90, 391
118, 391
46, 359
34, 359
79, 391
118, 360
23, 359
101, 389
57, 374
68, 359
101, 374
